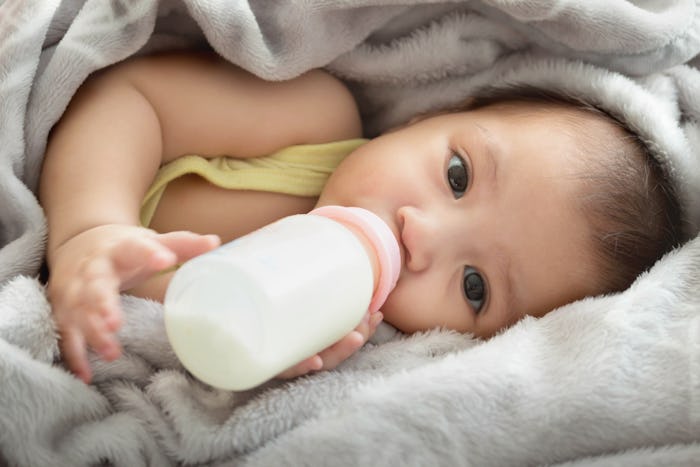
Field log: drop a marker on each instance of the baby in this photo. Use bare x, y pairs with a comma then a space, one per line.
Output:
506, 207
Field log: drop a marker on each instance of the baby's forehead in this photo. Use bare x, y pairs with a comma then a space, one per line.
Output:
588, 131
556, 111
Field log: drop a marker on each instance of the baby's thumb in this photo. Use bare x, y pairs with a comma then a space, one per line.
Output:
187, 245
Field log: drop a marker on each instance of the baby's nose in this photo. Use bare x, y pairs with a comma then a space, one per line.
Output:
419, 237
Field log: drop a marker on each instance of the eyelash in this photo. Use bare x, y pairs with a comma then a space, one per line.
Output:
455, 176
482, 288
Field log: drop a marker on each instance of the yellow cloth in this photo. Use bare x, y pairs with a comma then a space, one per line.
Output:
300, 170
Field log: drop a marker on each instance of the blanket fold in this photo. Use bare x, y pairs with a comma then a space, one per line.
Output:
611, 380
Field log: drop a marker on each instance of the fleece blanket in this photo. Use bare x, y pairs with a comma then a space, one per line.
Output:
611, 380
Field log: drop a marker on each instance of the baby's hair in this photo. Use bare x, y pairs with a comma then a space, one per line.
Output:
629, 203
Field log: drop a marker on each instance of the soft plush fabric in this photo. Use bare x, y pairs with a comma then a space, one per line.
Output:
604, 381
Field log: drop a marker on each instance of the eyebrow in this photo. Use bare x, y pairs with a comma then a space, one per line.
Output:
494, 153
492, 150
504, 266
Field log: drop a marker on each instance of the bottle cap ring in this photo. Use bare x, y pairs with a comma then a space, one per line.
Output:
382, 240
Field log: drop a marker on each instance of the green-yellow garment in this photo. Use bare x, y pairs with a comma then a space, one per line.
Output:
300, 170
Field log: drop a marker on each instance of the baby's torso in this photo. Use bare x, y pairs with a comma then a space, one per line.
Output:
230, 197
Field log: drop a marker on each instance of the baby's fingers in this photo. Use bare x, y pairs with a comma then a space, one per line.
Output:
351, 343
338, 352
136, 259
328, 358
100, 338
74, 353
187, 245
141, 252
90, 309
99, 292
310, 364
341, 350
94, 310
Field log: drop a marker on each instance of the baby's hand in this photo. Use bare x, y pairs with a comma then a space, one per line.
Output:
340, 351
89, 270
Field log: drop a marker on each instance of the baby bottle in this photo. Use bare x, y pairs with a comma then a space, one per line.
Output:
246, 311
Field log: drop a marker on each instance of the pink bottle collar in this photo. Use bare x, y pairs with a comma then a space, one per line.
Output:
382, 240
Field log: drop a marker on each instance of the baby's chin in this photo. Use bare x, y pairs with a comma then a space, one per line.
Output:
396, 315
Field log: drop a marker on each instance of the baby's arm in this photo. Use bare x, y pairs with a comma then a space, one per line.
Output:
100, 159
102, 156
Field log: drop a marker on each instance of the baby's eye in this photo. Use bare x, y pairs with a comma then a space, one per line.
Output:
457, 175
474, 288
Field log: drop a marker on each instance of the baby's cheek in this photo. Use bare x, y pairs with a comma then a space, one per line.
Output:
404, 310
418, 307
391, 307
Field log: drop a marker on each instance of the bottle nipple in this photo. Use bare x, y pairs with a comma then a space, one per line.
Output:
382, 240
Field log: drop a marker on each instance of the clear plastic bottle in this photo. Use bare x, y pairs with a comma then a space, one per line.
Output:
241, 314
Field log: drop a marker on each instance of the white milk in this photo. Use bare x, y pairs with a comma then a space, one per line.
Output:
241, 314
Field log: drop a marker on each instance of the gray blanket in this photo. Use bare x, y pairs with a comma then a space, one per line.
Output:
604, 381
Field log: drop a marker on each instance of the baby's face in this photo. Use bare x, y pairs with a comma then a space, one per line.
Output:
485, 215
